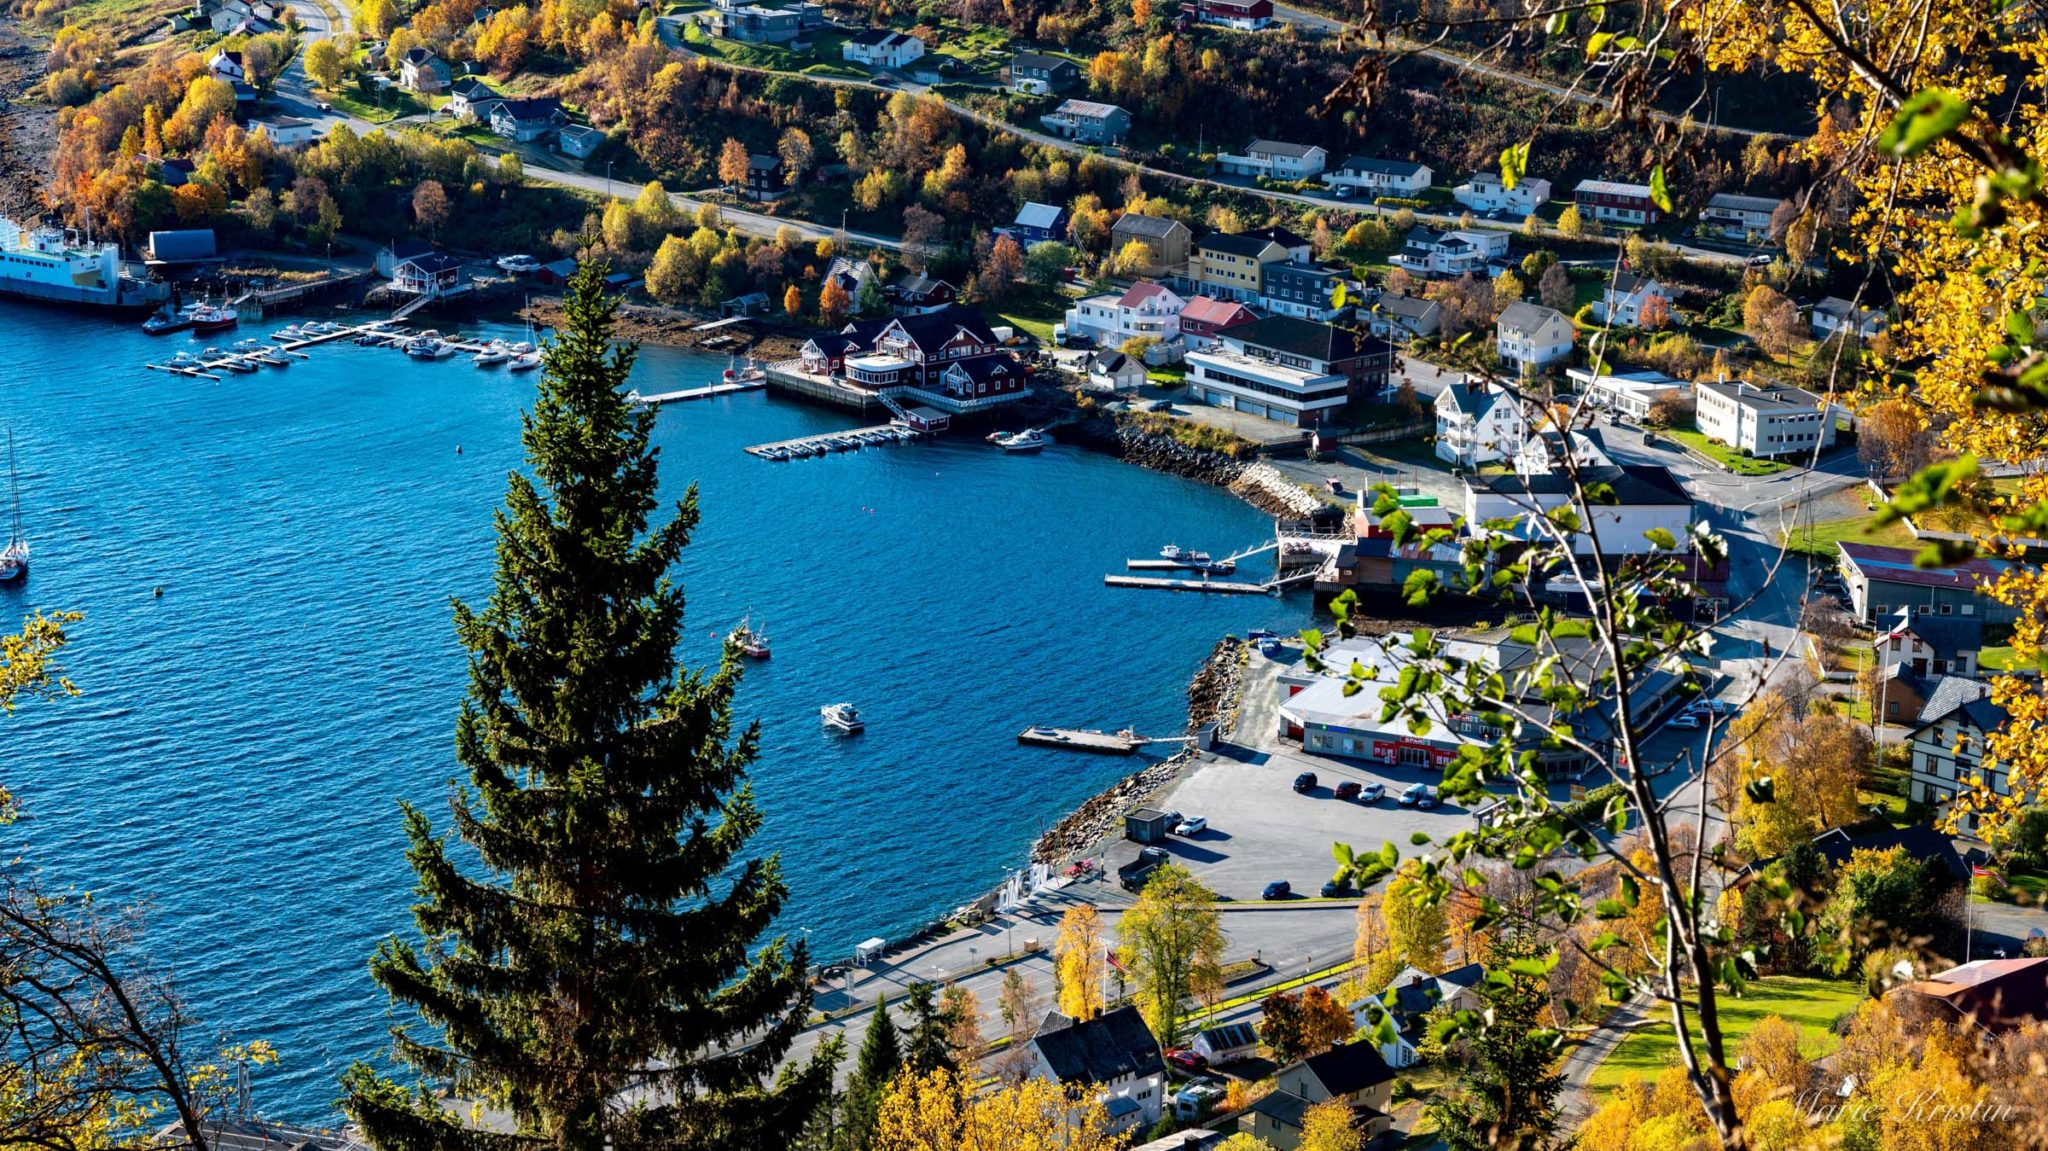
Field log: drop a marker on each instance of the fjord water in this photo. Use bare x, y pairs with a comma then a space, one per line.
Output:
236, 757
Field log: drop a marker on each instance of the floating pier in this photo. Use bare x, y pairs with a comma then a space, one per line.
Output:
277, 354
834, 442
1088, 739
1171, 565
1170, 583
727, 388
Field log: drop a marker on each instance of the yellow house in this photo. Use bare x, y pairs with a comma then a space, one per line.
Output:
1353, 1073
1234, 267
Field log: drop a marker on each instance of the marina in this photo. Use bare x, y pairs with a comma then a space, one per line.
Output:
726, 388
245, 358
891, 433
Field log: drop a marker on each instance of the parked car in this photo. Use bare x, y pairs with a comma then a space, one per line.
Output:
1349, 789
1372, 793
1419, 795
324, 106
1335, 890
1305, 782
1132, 876
1186, 1060
1278, 889
1173, 817
1159, 406
1759, 260
1711, 706
1685, 719
1192, 825
1344, 191
1650, 440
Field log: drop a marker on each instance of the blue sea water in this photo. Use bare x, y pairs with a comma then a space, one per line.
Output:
236, 757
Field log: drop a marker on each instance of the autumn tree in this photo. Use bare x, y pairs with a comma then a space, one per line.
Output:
1328, 1126
1171, 940
1893, 440
1297, 1026
960, 1015
793, 302
1003, 268
668, 277
1554, 288
1770, 319
1507, 289
1047, 261
323, 63
941, 1111
1416, 931
29, 666
833, 303
430, 205
1079, 953
798, 156
1654, 313
599, 929
732, 164
1570, 224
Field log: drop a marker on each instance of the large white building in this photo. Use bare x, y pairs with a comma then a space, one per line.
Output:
1487, 192
1276, 160
1112, 1057
1147, 309
1288, 369
1429, 252
1768, 422
1632, 394
1531, 336
881, 48
1477, 424
1739, 217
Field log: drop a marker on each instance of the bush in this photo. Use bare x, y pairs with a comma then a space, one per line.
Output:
1987, 887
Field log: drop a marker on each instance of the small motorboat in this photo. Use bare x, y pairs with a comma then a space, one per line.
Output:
752, 641
1213, 567
184, 361
1028, 440
429, 347
1336, 485
494, 352
844, 717
232, 363
207, 318
1183, 555
524, 362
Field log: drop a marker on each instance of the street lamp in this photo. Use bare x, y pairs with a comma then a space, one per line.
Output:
608, 180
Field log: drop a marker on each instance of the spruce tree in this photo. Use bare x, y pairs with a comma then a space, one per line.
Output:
880, 1058
582, 960
928, 1049
1506, 1093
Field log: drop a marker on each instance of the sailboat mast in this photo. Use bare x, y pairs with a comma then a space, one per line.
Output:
13, 488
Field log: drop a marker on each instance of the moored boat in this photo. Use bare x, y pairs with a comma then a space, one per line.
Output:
1028, 440
752, 641
494, 352
208, 318
525, 362
13, 557
167, 320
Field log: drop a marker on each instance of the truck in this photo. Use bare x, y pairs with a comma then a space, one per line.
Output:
1132, 875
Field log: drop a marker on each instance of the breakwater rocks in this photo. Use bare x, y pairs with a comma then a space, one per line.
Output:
1148, 448
1270, 490
1212, 699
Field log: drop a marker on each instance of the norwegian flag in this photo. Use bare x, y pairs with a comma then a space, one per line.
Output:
1983, 872
1111, 956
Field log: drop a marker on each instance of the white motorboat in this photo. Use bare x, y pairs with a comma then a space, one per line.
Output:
524, 362
184, 361
1176, 552
494, 352
519, 265
428, 347
1028, 440
844, 717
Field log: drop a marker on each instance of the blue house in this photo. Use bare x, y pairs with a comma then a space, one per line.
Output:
1037, 223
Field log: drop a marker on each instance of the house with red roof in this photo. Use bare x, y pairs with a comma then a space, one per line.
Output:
1205, 317
1881, 580
1145, 309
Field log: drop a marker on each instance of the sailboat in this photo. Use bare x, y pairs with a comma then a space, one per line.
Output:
14, 558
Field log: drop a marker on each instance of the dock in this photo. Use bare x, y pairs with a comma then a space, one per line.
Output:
727, 388
1088, 739
1170, 583
834, 442
276, 354
1168, 565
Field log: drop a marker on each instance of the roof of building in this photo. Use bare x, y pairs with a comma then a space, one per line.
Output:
1472, 397
1188, 1139
921, 284
1209, 310
281, 121
1305, 338
1140, 292
421, 57
931, 330
1948, 635
1920, 841
471, 88
234, 58
578, 131
1384, 167
1281, 148
1626, 283
432, 263
1112, 1046
1233, 244
1037, 215
1139, 224
531, 108
1775, 398
1896, 566
1090, 108
1736, 202
1224, 1036
1837, 306
1406, 306
1613, 188
1635, 485
1280, 236
1295, 268
1996, 994
1042, 62
762, 162
879, 37
1107, 362
1525, 319
1349, 1068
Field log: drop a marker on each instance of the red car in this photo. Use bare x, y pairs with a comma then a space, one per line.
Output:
1186, 1060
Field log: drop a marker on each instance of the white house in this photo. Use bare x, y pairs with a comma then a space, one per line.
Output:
1226, 1043
1429, 252
284, 131
423, 72
1112, 1057
1946, 748
1111, 371
226, 65
531, 119
882, 48
1767, 422
1926, 643
1737, 217
1632, 394
1399, 316
1548, 450
1531, 336
1477, 424
1646, 497
1409, 999
1147, 309
1276, 160
578, 140
1621, 302
1834, 313
1486, 192
1374, 176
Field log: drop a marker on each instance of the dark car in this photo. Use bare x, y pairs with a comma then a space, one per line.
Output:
1278, 889
1335, 890
1305, 782
1349, 789
1186, 1060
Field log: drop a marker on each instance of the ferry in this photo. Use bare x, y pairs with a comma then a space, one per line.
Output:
14, 557
752, 642
844, 717
46, 262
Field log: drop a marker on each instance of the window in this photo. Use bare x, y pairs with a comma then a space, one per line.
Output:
1947, 608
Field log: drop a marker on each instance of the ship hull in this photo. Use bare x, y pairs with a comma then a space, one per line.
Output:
138, 301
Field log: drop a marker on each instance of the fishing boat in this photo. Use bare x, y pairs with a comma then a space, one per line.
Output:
208, 318
1214, 567
734, 374
844, 717
167, 320
14, 557
1028, 440
752, 641
494, 352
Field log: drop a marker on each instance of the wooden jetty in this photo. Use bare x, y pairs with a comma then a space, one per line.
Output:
1170, 583
725, 388
832, 441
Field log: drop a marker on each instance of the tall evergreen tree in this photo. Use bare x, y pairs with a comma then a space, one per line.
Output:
880, 1058
589, 972
1506, 1095
928, 1049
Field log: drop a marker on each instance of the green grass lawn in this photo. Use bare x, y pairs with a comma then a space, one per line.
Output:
1809, 1004
393, 103
1034, 315
1727, 457
1167, 374
1820, 539
1405, 453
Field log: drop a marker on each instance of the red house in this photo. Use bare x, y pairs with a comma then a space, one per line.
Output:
1244, 15
1204, 317
1617, 203
950, 353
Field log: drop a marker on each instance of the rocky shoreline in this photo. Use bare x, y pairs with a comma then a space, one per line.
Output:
1212, 698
